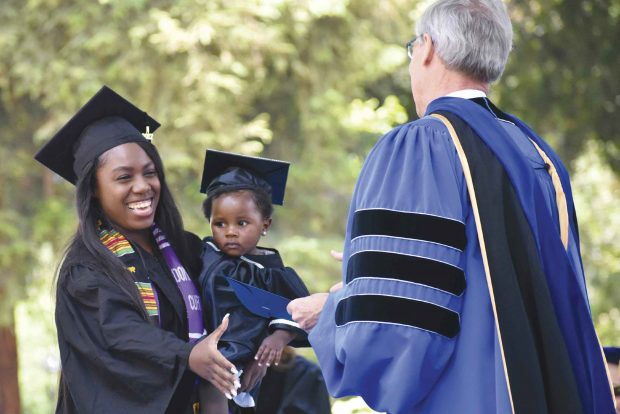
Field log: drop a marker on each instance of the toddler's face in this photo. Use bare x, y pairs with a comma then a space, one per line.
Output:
236, 223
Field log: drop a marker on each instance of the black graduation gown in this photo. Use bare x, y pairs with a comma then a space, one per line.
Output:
245, 329
298, 389
113, 359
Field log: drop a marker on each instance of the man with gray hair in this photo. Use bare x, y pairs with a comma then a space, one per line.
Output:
463, 283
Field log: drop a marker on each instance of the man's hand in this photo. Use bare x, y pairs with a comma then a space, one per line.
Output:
306, 311
336, 287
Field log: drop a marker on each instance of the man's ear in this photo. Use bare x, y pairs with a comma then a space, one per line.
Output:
428, 49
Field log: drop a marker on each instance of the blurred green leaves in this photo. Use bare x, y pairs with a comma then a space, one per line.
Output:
311, 82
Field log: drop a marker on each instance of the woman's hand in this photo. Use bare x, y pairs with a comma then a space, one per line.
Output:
254, 372
206, 361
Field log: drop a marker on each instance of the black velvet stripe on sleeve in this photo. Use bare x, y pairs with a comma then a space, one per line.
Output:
408, 225
403, 311
538, 364
415, 269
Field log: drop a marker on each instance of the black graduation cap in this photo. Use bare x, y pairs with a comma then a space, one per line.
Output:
612, 354
104, 122
259, 301
230, 171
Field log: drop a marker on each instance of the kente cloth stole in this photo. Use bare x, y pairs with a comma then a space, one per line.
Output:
120, 246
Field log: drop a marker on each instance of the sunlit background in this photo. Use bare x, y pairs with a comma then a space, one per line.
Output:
313, 82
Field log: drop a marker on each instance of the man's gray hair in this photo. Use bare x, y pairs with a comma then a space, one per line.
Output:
470, 36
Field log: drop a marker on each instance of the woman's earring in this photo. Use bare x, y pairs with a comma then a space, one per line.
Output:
264, 233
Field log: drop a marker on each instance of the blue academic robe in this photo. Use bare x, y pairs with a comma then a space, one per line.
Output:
416, 327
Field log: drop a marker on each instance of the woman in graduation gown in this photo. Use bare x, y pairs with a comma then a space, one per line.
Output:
127, 311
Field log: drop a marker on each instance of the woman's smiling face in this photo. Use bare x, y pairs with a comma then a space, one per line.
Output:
128, 189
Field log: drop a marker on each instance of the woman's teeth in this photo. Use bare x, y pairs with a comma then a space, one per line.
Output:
139, 205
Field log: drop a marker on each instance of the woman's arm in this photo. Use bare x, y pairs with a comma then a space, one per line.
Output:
109, 350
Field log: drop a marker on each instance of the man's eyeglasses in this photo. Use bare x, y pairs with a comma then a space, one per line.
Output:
410, 46
617, 390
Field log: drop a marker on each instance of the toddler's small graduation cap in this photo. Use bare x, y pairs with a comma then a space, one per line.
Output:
228, 171
104, 122
612, 354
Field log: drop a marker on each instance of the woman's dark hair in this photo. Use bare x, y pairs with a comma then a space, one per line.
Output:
89, 213
261, 198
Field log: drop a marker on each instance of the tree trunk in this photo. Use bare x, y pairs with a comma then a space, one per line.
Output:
9, 386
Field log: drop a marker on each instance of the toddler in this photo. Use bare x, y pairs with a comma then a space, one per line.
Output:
241, 192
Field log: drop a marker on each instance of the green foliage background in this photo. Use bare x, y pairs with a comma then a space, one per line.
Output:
314, 82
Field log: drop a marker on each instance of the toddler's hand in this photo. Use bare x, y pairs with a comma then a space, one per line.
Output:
252, 375
270, 350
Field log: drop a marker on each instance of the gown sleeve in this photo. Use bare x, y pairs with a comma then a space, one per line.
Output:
286, 282
396, 320
113, 360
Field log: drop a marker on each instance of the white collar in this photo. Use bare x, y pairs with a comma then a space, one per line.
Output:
467, 94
